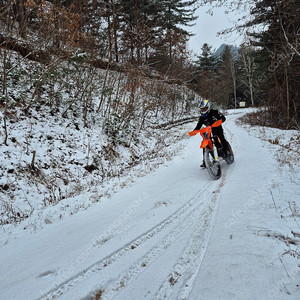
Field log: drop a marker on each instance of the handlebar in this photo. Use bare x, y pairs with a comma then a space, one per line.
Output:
216, 124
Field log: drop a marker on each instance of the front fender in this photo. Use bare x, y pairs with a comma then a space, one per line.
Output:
206, 143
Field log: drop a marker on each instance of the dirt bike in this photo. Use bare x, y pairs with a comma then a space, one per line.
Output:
211, 152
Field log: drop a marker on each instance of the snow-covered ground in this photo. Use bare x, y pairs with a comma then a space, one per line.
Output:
173, 233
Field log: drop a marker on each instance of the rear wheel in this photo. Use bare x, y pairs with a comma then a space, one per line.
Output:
213, 166
229, 158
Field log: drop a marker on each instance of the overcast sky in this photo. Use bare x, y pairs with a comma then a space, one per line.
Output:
208, 26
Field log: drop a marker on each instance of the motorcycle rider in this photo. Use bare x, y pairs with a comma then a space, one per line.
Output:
208, 116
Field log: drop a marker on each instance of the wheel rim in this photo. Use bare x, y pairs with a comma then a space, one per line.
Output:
213, 166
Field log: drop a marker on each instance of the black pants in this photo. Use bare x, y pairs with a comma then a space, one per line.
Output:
218, 131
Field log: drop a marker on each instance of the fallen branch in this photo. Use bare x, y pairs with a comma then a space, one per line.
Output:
32, 161
25, 50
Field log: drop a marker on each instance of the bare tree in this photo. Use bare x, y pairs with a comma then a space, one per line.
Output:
246, 52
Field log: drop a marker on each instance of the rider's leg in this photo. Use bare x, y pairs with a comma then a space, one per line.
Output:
219, 132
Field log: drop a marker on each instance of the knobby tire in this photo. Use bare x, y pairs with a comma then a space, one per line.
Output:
213, 166
230, 157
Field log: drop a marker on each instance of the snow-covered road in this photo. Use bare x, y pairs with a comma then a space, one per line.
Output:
173, 234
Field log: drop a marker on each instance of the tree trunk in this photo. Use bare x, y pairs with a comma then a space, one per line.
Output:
21, 18
233, 81
287, 93
6, 98
114, 25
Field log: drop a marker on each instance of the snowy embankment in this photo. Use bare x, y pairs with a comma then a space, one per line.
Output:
173, 233
54, 167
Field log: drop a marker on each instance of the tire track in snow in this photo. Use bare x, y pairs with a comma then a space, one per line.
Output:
73, 281
231, 139
179, 283
202, 209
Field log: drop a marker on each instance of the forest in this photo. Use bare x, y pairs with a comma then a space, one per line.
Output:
266, 72
143, 41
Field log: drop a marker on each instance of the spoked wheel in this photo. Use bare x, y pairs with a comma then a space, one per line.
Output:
213, 166
229, 158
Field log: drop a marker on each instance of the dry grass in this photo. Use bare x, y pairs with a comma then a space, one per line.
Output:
99, 295
268, 118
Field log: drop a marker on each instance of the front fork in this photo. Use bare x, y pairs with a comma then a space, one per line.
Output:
216, 155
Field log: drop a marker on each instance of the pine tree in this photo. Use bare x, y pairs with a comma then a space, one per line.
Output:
138, 26
227, 76
173, 16
206, 60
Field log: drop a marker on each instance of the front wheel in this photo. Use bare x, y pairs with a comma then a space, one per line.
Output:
213, 166
229, 158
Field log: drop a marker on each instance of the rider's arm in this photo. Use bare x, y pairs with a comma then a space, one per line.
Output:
220, 116
199, 124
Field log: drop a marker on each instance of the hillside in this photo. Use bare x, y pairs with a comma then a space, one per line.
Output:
74, 120
59, 143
